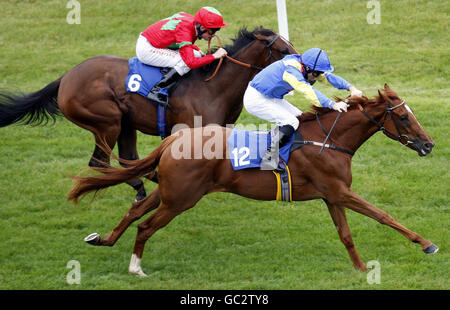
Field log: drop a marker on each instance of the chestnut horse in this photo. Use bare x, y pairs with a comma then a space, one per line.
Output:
93, 96
184, 181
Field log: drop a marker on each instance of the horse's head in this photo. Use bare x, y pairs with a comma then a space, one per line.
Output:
259, 47
399, 123
276, 46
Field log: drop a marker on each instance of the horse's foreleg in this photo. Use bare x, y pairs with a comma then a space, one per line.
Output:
340, 221
162, 216
137, 210
353, 201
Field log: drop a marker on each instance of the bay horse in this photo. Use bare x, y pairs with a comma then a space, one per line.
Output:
327, 176
93, 96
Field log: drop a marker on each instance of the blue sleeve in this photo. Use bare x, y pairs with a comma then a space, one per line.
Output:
337, 81
324, 100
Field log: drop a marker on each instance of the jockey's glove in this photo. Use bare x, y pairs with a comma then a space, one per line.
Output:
355, 92
340, 106
221, 52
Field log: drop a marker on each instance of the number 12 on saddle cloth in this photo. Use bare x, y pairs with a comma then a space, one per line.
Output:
246, 149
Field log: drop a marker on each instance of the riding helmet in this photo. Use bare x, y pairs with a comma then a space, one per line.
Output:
209, 17
317, 60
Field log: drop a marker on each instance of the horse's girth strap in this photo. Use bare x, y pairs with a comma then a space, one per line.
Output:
284, 185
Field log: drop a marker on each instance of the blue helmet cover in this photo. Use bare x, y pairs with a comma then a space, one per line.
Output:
317, 60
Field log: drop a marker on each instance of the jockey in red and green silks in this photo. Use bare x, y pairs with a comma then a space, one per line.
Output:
264, 96
170, 43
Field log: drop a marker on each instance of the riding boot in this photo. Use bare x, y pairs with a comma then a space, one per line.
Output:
169, 78
168, 81
281, 136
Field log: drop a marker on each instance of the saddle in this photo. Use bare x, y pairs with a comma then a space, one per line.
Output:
141, 79
246, 149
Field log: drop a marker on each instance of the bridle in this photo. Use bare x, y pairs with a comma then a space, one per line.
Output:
402, 138
269, 51
388, 112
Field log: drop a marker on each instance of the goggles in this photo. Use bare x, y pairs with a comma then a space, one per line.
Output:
212, 31
317, 73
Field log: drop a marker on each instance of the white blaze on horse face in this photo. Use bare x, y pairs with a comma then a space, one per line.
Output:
414, 117
411, 112
409, 109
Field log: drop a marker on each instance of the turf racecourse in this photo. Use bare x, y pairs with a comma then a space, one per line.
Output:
226, 241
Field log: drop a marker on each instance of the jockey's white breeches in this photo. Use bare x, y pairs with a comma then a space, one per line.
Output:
161, 57
273, 110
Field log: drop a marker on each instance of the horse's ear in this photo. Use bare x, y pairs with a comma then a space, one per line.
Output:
260, 37
382, 96
386, 87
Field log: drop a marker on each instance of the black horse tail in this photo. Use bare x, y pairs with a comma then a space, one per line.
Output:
30, 109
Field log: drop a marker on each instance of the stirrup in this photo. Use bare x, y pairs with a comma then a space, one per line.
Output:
281, 168
157, 97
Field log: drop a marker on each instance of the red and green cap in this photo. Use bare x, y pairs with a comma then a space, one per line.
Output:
209, 17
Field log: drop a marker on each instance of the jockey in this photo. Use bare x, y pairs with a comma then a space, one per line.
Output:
170, 43
264, 95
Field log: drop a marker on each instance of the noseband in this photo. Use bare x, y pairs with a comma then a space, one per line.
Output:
388, 111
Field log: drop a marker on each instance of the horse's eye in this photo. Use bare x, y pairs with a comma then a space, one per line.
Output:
404, 117
285, 52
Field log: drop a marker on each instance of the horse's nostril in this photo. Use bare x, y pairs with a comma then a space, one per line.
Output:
428, 146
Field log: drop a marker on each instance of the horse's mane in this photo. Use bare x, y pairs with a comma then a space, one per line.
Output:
352, 102
242, 39
245, 37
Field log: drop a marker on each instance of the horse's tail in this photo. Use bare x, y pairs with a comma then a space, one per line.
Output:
35, 108
113, 176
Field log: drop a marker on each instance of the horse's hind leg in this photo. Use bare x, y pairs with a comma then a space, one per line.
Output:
100, 157
128, 150
353, 201
340, 221
137, 210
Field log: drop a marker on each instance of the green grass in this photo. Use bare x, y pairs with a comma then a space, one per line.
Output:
226, 241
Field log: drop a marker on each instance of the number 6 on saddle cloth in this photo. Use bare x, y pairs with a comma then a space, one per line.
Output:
141, 79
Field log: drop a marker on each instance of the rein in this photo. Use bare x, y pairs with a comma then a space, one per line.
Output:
331, 129
250, 66
324, 144
398, 137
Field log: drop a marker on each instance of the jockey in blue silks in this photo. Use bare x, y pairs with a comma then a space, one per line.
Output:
264, 96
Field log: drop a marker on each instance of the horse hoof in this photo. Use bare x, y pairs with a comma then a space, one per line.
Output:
431, 249
138, 272
140, 195
92, 239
